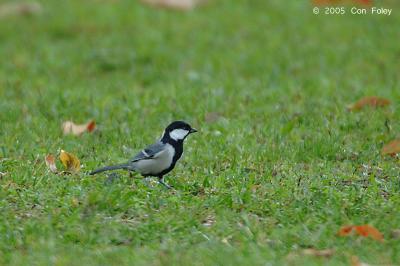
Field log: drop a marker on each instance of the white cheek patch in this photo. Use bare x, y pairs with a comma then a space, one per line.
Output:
178, 134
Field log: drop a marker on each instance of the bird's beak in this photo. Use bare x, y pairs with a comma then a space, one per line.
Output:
192, 130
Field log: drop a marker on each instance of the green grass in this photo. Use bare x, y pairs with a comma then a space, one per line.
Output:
281, 167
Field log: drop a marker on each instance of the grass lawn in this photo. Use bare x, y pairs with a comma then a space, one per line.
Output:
279, 164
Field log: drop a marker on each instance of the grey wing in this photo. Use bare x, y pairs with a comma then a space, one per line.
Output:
150, 152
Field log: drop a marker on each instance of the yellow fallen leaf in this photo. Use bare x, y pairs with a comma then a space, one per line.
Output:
70, 162
70, 127
51, 163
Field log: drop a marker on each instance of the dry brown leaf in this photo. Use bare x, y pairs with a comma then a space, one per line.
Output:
2, 174
372, 101
392, 148
355, 261
395, 234
319, 253
361, 230
20, 9
255, 187
51, 163
211, 117
10, 185
91, 126
75, 202
225, 240
209, 221
70, 162
70, 127
183, 5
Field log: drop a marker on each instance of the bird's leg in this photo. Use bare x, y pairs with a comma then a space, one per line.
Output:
161, 181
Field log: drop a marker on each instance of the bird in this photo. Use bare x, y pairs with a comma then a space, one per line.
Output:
160, 158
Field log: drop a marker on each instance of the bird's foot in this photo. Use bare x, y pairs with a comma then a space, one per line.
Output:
161, 181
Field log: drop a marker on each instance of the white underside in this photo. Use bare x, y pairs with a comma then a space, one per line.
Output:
158, 163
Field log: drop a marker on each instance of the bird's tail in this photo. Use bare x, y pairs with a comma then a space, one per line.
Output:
111, 167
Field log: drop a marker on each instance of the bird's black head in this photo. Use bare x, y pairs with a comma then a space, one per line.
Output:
178, 131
